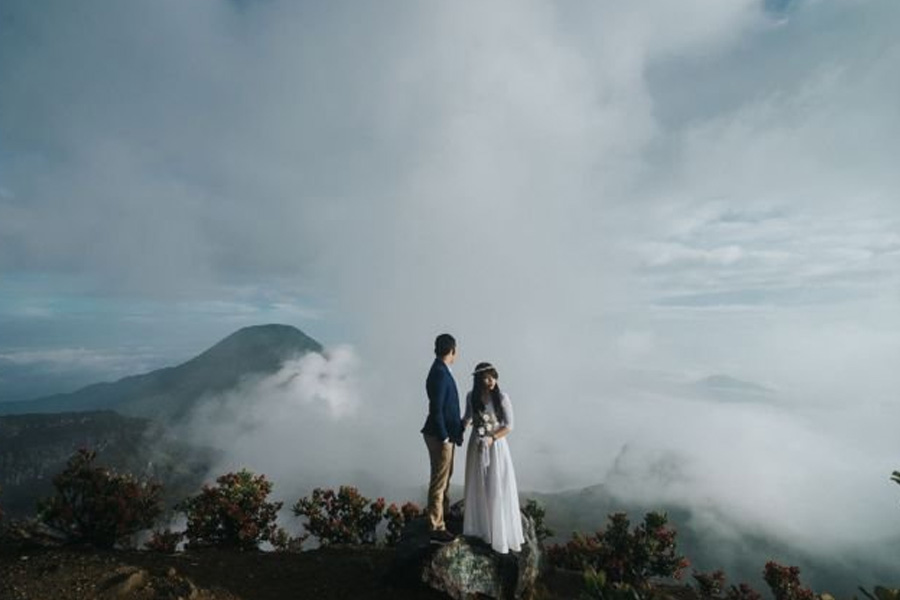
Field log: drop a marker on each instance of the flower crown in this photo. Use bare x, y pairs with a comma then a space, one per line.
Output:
487, 367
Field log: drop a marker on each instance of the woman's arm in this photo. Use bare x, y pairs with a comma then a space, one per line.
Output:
507, 420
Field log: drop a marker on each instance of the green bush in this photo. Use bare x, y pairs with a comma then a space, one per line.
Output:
234, 513
785, 582
397, 518
711, 586
345, 517
98, 506
537, 513
165, 542
621, 555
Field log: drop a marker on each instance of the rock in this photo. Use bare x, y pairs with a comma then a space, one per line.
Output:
466, 567
123, 582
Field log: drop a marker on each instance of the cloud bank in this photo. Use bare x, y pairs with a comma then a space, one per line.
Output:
609, 201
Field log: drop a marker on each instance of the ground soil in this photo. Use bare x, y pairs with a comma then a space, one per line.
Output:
83, 574
326, 574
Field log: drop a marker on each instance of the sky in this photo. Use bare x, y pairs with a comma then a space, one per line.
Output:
673, 227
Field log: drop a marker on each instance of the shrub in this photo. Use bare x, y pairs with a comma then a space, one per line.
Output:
622, 555
537, 513
785, 582
234, 513
345, 517
397, 518
742, 592
711, 586
596, 587
282, 542
98, 506
165, 541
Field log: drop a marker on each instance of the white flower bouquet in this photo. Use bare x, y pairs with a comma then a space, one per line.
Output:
487, 424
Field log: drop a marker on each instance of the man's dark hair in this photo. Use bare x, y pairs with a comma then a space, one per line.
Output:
444, 344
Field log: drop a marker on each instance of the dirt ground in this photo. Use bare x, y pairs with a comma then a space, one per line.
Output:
72, 574
326, 574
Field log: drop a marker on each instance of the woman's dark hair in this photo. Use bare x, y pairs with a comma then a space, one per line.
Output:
482, 369
444, 344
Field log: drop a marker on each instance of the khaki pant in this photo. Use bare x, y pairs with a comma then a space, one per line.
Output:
441, 456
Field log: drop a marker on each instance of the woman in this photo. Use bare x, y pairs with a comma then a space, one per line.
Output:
492, 499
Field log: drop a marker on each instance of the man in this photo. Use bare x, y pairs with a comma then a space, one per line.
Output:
443, 428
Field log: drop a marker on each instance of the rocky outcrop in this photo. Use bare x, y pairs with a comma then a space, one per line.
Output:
132, 583
466, 567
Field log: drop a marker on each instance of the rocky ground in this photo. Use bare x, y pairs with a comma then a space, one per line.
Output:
73, 574
348, 573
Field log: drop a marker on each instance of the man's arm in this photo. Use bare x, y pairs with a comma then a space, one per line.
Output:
436, 406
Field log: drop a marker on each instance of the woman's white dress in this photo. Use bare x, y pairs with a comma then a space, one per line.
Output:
492, 498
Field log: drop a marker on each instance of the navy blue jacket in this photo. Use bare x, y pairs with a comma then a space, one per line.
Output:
443, 405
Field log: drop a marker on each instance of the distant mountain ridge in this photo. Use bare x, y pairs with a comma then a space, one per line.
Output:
171, 392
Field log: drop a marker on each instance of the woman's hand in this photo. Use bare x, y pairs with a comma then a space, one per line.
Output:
488, 441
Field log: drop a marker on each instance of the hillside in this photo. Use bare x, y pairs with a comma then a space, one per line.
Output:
741, 555
169, 393
35, 447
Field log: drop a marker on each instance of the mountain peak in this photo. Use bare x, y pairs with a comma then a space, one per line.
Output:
168, 393
271, 344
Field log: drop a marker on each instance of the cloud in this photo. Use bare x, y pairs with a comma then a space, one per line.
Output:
607, 200
305, 426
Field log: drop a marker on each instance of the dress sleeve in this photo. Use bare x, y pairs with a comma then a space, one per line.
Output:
468, 414
507, 411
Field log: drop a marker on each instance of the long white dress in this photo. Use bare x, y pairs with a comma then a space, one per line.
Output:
492, 498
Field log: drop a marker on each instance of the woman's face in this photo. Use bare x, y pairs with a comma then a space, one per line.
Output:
489, 381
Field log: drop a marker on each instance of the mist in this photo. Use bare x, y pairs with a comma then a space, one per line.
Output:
612, 203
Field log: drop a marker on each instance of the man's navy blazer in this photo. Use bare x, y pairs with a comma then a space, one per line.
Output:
443, 420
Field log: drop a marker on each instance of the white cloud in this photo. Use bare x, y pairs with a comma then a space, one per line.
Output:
575, 190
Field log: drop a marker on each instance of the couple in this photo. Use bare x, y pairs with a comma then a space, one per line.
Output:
492, 500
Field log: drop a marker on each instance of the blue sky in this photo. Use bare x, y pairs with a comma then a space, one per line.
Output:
612, 201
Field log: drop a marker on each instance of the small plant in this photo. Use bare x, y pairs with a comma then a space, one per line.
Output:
711, 586
785, 582
537, 513
596, 587
235, 513
164, 542
742, 592
98, 506
397, 518
624, 556
283, 542
345, 517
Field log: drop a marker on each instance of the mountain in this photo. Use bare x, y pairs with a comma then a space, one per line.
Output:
35, 447
171, 392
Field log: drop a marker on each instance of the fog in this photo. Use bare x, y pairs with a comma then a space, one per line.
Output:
615, 203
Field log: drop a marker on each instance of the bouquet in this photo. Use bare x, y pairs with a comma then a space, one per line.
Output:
487, 424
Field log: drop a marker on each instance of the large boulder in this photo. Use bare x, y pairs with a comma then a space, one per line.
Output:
466, 566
